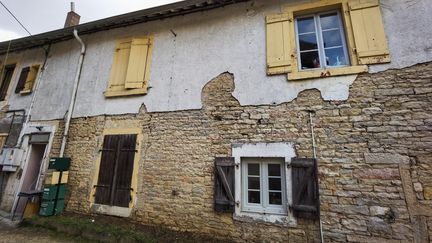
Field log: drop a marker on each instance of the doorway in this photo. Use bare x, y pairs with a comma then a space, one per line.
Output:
31, 175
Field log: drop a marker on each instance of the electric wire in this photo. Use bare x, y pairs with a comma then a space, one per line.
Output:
19, 22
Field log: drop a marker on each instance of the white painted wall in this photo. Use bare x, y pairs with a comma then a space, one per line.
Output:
208, 43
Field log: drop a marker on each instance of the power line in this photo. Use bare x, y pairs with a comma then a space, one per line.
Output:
16, 18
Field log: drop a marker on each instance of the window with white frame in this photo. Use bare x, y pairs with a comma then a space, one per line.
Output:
321, 41
263, 185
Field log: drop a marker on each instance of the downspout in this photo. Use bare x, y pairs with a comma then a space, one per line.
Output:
74, 94
314, 156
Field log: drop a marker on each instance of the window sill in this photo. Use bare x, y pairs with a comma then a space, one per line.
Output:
323, 73
25, 92
125, 92
251, 217
110, 210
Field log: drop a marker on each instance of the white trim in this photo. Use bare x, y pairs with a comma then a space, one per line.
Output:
264, 206
320, 41
267, 150
28, 130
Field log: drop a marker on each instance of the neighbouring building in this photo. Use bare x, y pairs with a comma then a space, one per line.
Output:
251, 120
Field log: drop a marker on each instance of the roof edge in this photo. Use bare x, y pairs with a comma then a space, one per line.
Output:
131, 18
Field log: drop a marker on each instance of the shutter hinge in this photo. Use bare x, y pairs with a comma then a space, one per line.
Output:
237, 203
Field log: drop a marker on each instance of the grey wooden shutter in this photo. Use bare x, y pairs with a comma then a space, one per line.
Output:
123, 171
224, 184
22, 79
106, 170
305, 188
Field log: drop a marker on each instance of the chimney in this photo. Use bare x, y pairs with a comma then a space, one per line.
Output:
72, 18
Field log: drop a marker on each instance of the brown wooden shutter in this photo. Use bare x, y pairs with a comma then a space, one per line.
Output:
123, 172
224, 184
22, 79
106, 170
7, 76
305, 188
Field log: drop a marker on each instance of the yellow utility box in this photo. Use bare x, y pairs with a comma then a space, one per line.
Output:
31, 209
53, 178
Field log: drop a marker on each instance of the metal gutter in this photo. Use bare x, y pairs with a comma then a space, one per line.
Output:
141, 16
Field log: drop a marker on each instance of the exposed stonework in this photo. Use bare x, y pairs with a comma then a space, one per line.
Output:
373, 152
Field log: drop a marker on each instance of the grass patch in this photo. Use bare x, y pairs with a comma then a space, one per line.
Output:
89, 230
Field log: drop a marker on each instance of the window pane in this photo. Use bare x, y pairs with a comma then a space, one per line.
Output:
253, 169
306, 25
332, 38
253, 183
329, 21
274, 170
335, 57
275, 198
308, 42
275, 184
310, 60
254, 197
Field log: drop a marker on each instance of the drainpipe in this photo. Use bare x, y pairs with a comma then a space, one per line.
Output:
74, 93
314, 156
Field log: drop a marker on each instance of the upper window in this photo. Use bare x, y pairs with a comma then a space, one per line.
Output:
321, 41
130, 71
27, 79
325, 38
263, 185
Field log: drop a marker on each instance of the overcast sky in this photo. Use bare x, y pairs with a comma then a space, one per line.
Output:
44, 15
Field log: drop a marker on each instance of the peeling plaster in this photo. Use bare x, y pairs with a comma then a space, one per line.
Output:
408, 27
206, 44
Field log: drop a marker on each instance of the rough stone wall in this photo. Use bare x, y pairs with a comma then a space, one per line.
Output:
373, 152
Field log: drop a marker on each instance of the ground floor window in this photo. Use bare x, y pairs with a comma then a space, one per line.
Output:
263, 185
115, 171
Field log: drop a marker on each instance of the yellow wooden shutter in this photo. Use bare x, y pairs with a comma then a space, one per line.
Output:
119, 66
369, 35
136, 70
278, 44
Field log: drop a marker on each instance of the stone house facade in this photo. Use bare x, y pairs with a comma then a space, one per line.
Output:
196, 116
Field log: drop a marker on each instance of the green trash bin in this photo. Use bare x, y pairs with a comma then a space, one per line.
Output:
47, 208
59, 207
50, 207
60, 164
49, 193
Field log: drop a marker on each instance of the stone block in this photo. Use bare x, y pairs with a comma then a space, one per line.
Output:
378, 226
385, 173
372, 110
385, 158
427, 192
354, 224
349, 209
418, 187
379, 211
